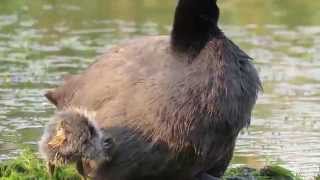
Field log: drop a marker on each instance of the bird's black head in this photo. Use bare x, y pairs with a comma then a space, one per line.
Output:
195, 22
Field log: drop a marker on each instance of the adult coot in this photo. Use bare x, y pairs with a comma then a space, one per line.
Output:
175, 104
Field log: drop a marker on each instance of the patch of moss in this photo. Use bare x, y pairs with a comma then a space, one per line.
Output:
266, 173
243, 173
278, 172
28, 166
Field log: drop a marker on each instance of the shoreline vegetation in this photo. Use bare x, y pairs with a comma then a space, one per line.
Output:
28, 166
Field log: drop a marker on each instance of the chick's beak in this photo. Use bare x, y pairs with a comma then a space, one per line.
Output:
90, 167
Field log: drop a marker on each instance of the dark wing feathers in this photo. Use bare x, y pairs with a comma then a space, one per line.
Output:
56, 96
52, 97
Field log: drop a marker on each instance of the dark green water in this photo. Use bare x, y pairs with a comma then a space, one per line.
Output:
41, 40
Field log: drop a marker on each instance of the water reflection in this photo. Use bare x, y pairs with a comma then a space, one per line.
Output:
42, 40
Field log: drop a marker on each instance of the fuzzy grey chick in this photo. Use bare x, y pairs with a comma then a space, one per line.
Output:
71, 137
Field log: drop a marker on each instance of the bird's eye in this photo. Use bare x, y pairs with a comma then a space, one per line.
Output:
107, 143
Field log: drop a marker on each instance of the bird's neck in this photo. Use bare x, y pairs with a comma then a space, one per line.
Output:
195, 23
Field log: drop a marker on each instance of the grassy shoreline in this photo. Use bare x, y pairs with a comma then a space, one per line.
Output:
29, 166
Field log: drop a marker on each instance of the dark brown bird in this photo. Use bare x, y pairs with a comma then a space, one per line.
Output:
71, 137
174, 103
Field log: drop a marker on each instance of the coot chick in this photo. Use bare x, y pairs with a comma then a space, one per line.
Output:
71, 137
178, 102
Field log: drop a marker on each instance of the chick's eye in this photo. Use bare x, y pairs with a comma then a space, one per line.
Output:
107, 143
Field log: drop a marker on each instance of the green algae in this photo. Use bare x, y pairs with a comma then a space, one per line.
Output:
29, 166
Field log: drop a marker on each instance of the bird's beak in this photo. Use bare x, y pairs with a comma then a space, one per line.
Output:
90, 167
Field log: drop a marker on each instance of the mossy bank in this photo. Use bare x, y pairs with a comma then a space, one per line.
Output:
28, 166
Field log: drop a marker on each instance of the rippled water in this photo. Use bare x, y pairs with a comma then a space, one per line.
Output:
41, 40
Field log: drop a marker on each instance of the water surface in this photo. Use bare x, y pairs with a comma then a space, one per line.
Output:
42, 40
